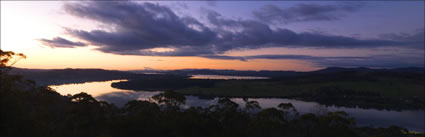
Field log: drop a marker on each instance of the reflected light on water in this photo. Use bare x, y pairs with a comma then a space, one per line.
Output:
92, 88
103, 91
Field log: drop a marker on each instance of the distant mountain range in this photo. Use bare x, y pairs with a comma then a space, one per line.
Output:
62, 76
363, 69
268, 73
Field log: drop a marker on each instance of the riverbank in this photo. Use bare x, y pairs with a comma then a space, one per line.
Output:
378, 90
410, 119
375, 95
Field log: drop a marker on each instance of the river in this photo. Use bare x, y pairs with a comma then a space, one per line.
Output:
412, 120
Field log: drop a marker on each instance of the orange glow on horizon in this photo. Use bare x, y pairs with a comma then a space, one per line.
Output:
67, 58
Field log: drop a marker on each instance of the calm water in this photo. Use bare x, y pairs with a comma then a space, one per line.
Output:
224, 77
413, 120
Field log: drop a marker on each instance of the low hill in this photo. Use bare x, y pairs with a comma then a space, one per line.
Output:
61, 76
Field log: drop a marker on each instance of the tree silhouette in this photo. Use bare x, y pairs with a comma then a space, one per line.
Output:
9, 58
172, 100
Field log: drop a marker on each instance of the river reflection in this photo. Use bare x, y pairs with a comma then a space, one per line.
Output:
413, 120
93, 88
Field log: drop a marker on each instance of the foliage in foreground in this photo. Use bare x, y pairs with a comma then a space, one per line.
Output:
45, 113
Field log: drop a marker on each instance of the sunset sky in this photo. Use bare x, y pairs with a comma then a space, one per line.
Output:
270, 35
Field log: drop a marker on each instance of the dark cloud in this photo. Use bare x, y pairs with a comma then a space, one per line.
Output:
250, 34
377, 61
225, 57
416, 39
139, 28
181, 5
296, 57
211, 3
305, 12
61, 43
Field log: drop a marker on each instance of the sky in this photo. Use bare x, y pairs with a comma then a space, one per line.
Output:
241, 35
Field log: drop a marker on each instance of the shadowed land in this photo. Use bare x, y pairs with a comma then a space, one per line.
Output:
365, 88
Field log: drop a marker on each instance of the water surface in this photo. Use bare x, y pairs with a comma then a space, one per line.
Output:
413, 120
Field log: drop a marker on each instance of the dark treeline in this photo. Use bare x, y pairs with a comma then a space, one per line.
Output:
396, 89
277, 74
167, 83
340, 97
42, 112
413, 75
380, 92
29, 110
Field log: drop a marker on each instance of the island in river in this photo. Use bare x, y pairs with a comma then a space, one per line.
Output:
79, 108
395, 89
